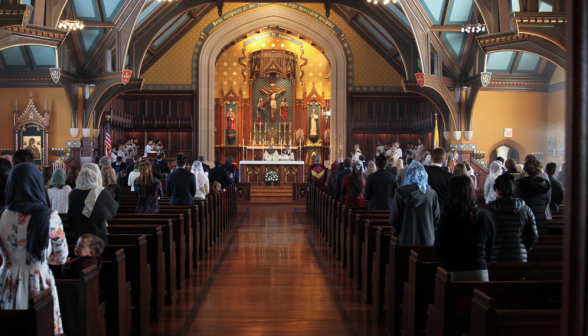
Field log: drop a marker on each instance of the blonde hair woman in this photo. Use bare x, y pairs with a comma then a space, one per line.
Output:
399, 164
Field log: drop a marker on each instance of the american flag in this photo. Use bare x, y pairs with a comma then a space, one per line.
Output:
107, 142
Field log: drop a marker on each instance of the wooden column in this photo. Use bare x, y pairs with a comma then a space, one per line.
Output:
575, 271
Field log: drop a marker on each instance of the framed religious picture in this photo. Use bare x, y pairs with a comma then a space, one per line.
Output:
32, 131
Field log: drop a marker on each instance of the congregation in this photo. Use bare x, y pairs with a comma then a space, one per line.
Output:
49, 214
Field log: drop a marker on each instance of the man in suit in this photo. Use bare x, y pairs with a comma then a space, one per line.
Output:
219, 174
162, 165
119, 164
380, 186
340, 176
438, 178
205, 167
181, 184
402, 172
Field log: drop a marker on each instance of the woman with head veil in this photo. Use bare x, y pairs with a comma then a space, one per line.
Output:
31, 238
353, 185
415, 208
495, 171
90, 205
202, 185
58, 191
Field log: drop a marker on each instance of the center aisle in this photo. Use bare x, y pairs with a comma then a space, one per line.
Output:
270, 273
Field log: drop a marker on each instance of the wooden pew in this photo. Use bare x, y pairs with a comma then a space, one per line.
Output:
117, 293
371, 226
396, 276
37, 320
358, 240
490, 318
178, 238
81, 312
420, 289
451, 313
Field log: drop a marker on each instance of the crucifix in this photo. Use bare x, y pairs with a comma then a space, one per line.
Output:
272, 91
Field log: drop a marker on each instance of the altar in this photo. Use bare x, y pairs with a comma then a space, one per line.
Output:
290, 172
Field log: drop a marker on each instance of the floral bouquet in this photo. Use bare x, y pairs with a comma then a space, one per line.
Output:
272, 176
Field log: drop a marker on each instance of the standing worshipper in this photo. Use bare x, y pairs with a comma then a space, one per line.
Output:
22, 155
5, 167
557, 194
495, 171
353, 185
134, 173
109, 183
58, 192
371, 168
162, 165
501, 160
36, 240
181, 184
356, 153
402, 172
362, 160
331, 176
438, 179
511, 166
231, 168
339, 181
119, 165
464, 238
218, 174
415, 209
380, 186
534, 190
202, 184
72, 176
47, 174
516, 231
427, 159
148, 190
317, 173
90, 205
204, 165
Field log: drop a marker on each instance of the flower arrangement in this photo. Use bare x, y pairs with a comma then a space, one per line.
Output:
272, 176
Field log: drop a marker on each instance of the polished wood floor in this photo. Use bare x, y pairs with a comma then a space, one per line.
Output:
270, 273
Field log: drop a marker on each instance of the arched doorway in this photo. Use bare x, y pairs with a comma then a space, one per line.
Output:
506, 151
283, 17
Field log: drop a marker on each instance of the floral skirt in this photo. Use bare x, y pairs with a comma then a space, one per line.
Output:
17, 287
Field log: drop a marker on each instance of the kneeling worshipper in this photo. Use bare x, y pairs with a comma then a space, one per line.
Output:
287, 154
271, 154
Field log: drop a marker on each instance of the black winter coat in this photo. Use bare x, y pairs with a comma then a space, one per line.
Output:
516, 232
535, 192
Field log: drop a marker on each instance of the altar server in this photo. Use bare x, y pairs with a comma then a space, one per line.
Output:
356, 153
271, 154
380, 148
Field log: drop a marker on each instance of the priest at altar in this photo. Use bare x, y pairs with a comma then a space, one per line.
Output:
271, 154
287, 154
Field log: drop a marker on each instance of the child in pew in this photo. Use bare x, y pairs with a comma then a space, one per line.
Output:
216, 189
88, 252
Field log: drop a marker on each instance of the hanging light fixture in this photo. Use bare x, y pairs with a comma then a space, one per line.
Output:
70, 24
475, 27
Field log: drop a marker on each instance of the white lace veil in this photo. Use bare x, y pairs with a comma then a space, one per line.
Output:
198, 172
90, 178
495, 170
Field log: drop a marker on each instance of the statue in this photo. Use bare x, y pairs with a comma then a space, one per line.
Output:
231, 128
284, 110
261, 110
272, 92
313, 128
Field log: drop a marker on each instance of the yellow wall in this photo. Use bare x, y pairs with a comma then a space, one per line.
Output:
531, 115
59, 120
228, 69
175, 66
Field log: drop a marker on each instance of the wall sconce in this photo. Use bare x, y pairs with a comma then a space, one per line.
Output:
96, 132
86, 132
74, 132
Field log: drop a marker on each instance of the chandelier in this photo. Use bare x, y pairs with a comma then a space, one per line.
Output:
473, 28
70, 24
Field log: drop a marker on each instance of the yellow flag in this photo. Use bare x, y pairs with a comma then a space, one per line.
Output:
436, 143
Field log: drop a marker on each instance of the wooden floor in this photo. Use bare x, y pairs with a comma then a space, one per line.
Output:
270, 273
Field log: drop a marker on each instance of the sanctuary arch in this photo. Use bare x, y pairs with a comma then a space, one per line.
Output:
262, 17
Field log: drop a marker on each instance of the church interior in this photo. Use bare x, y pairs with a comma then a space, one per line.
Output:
290, 95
